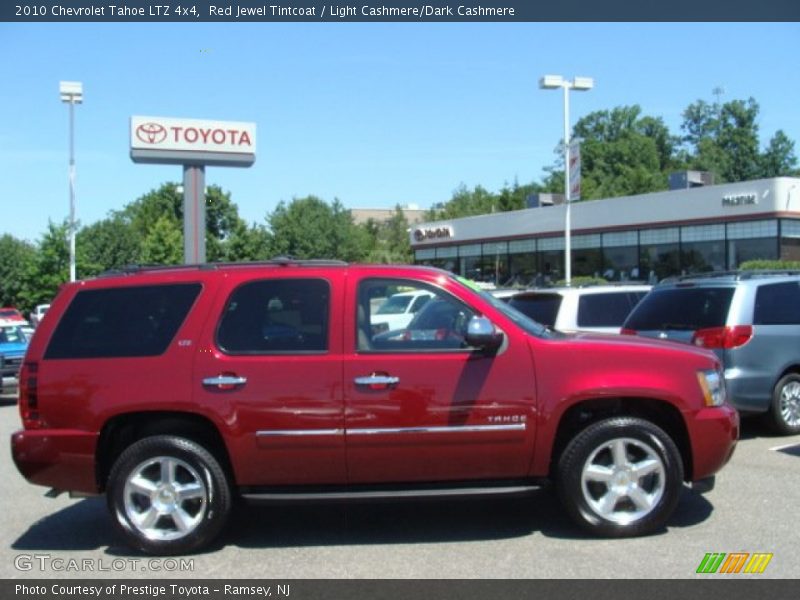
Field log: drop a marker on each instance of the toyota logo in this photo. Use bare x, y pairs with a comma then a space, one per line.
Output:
151, 133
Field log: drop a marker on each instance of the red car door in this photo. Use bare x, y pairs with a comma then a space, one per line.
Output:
270, 366
421, 406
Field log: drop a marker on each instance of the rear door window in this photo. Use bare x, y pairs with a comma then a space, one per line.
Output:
122, 322
542, 308
777, 304
686, 309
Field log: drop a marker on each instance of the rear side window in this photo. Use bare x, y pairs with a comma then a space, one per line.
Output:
542, 308
686, 309
122, 322
606, 309
276, 316
777, 304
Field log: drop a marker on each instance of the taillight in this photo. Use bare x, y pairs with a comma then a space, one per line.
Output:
723, 338
627, 331
28, 395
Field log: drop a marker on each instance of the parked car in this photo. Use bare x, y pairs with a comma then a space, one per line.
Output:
9, 313
398, 309
751, 320
168, 390
13, 344
600, 309
38, 314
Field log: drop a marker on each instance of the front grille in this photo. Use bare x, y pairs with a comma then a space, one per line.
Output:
10, 365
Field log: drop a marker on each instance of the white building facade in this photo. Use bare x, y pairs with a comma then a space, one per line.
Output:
645, 237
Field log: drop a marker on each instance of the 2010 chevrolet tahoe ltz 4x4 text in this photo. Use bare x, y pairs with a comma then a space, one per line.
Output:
172, 389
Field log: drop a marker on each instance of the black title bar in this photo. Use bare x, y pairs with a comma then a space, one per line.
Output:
397, 11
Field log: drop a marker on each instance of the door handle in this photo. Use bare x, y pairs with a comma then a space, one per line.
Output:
225, 381
377, 381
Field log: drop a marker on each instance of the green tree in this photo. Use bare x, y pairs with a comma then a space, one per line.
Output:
622, 153
724, 139
164, 244
247, 243
465, 203
17, 265
310, 228
779, 159
222, 215
50, 268
391, 243
108, 244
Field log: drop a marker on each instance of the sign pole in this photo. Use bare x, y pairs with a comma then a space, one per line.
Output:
194, 214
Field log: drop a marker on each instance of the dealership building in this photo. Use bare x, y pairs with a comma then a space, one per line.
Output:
645, 237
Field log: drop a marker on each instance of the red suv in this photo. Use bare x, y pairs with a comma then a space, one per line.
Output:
173, 389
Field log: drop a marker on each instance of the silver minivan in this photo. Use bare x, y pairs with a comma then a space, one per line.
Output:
751, 320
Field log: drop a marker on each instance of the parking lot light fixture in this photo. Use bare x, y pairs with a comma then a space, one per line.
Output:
71, 93
581, 84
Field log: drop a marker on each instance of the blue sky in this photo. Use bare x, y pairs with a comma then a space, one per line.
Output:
371, 114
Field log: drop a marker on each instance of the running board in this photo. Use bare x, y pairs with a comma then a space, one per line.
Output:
373, 494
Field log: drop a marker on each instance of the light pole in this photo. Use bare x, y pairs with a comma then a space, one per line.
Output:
581, 84
72, 94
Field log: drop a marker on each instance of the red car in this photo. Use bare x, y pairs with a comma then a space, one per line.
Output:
9, 313
173, 389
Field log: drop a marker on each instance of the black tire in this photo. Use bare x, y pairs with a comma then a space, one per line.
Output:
606, 509
175, 483
783, 415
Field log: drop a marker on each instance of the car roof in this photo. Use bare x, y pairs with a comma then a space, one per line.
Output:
580, 291
728, 278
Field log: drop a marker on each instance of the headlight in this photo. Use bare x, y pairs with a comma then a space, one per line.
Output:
713, 385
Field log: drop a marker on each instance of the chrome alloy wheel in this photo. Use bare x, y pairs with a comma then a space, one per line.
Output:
165, 498
623, 480
790, 404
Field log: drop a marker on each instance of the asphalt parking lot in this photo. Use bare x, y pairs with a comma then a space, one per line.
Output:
753, 509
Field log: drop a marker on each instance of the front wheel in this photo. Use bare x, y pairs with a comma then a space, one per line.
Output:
784, 411
168, 495
620, 477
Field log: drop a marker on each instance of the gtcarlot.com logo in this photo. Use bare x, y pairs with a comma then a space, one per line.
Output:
734, 563
47, 562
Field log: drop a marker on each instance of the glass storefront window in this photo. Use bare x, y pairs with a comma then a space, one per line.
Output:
658, 261
587, 262
700, 257
740, 251
621, 263
522, 269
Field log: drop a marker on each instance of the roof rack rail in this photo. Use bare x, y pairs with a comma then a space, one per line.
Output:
278, 261
738, 275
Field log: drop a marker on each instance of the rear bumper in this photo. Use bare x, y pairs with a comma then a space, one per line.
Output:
713, 433
62, 459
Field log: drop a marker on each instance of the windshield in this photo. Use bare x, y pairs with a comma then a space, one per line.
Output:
521, 320
11, 335
394, 305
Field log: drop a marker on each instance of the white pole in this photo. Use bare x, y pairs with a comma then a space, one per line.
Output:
567, 217
72, 275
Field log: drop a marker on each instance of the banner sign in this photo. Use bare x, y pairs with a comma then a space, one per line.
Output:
575, 170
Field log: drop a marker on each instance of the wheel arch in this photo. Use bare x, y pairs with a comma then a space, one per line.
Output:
120, 431
586, 412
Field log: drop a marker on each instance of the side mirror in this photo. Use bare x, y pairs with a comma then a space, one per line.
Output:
481, 333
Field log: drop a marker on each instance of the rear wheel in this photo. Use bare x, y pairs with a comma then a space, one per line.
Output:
784, 412
620, 477
168, 495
